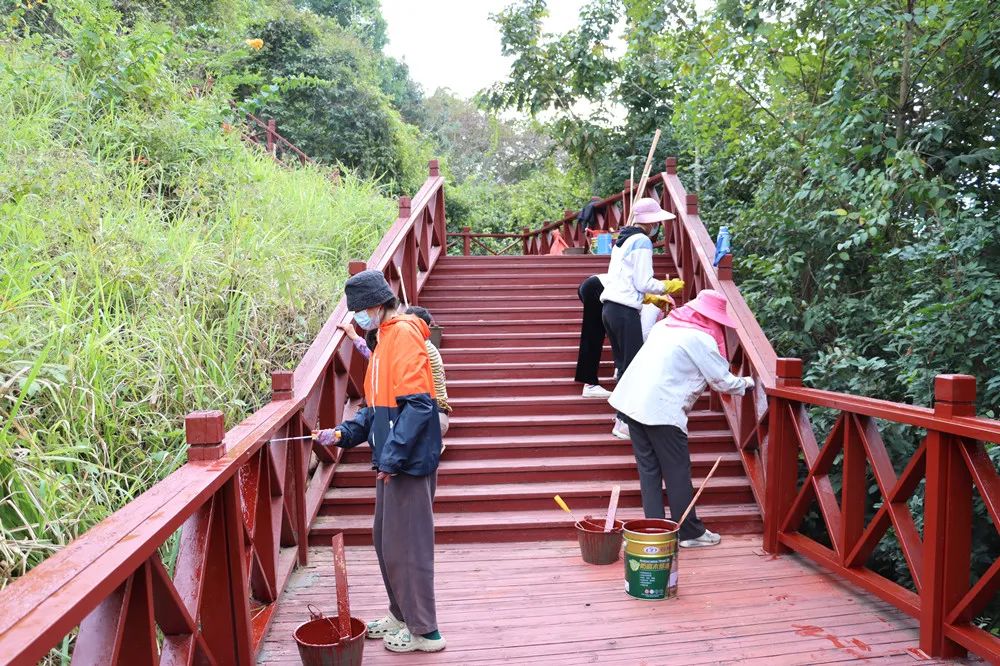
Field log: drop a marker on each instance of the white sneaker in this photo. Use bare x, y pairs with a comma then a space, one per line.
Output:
595, 391
387, 626
620, 430
404, 641
706, 539
615, 376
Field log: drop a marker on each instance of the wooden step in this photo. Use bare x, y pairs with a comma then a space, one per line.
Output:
546, 386
539, 369
511, 354
537, 496
544, 468
561, 426
715, 442
492, 340
512, 311
473, 527
457, 324
556, 406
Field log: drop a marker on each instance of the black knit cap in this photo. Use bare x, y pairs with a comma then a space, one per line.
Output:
367, 289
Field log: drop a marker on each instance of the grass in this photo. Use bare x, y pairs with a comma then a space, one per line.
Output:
152, 265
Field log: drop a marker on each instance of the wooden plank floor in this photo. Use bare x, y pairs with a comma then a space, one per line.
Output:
538, 603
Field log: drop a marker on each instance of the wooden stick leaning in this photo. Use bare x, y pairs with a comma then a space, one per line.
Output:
343, 599
609, 522
645, 174
698, 494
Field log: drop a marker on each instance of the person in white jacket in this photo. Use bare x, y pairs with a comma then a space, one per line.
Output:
630, 278
684, 353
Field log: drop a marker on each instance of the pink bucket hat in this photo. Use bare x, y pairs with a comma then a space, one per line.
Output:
647, 211
712, 304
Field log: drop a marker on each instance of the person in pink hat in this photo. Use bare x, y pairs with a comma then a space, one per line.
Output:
629, 279
684, 353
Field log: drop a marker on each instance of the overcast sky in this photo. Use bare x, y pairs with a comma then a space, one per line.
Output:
453, 43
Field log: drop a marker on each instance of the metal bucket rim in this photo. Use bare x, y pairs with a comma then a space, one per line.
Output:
665, 531
333, 625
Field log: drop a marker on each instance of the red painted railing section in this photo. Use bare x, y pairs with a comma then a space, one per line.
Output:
951, 461
234, 519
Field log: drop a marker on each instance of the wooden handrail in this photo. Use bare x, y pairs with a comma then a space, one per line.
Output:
952, 462
242, 506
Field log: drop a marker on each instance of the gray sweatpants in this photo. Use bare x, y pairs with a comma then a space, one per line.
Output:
404, 542
662, 455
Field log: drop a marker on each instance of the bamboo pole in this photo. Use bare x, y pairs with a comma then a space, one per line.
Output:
645, 173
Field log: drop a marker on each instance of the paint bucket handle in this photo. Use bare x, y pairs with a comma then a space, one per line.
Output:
314, 613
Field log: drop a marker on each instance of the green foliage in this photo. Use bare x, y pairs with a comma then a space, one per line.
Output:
151, 265
491, 208
362, 17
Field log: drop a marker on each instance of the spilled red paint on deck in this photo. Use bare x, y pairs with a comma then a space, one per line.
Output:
538, 603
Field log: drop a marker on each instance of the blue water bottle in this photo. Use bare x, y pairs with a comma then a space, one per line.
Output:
722, 245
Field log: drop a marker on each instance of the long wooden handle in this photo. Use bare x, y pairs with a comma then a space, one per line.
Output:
609, 522
645, 173
698, 494
343, 598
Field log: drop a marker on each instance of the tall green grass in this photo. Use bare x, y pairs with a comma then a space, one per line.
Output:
150, 265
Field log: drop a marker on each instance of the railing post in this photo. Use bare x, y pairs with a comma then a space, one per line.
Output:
725, 268
782, 456
433, 169
947, 518
567, 227
404, 207
356, 266
692, 204
524, 238
204, 431
271, 131
466, 241
670, 164
282, 384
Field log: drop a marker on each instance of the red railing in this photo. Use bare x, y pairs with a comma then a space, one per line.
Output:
951, 460
265, 134
235, 518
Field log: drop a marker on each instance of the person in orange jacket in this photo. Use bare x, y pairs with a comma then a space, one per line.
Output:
401, 425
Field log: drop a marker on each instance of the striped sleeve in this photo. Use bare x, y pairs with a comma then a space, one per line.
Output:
437, 370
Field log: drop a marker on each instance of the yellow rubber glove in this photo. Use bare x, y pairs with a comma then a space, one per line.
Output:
663, 302
673, 286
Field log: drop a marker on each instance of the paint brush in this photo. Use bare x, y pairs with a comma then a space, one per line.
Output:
295, 439
565, 507
698, 494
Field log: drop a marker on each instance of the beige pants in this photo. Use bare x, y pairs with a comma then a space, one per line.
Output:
444, 423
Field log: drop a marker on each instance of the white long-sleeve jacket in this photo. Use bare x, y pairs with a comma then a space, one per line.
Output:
668, 374
648, 315
630, 273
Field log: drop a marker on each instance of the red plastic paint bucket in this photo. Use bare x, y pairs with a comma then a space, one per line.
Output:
596, 545
320, 643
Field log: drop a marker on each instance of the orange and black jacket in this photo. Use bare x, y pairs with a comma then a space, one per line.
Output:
400, 422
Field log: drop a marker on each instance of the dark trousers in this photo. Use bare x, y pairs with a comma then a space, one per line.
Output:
588, 359
624, 329
662, 455
404, 543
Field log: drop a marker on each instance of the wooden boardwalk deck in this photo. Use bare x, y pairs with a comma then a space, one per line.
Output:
538, 603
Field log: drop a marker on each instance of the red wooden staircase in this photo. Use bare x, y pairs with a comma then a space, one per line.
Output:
520, 432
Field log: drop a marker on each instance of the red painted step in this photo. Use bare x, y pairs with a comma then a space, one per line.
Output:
513, 354
554, 406
586, 495
513, 387
491, 526
545, 468
715, 442
560, 427
524, 370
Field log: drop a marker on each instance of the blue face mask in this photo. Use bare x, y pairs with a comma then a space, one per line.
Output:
364, 321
